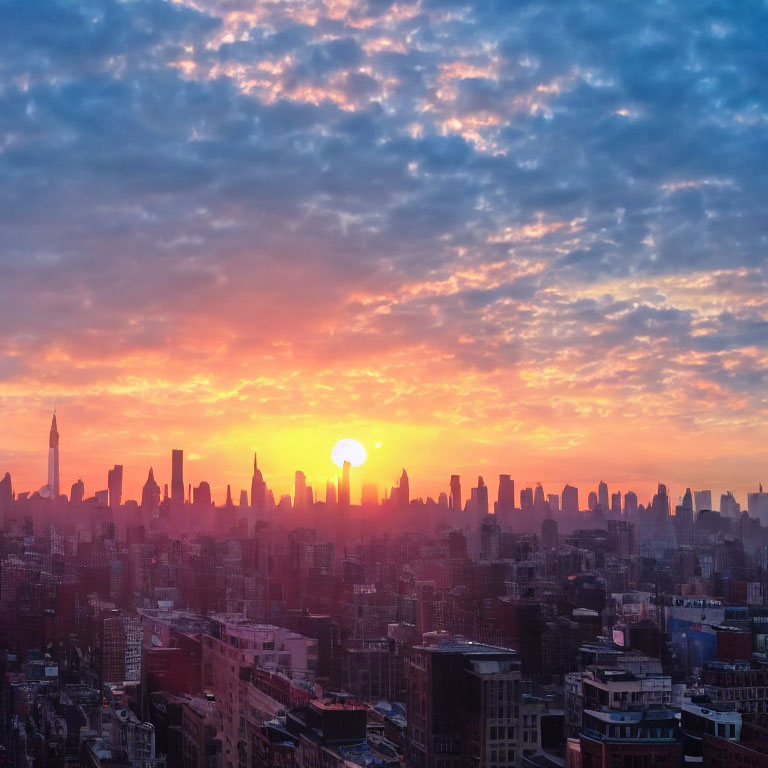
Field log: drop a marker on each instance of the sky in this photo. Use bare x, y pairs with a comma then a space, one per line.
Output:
523, 237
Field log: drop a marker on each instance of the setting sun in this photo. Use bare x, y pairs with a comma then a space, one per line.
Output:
348, 450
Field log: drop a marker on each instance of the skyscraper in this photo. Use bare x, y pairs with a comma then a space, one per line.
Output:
115, 487
616, 504
481, 496
344, 485
757, 505
455, 501
6, 496
630, 504
506, 496
202, 494
570, 497
602, 496
541, 510
258, 488
703, 500
177, 477
150, 498
505, 504
53, 460
729, 507
526, 500
299, 490
330, 493
661, 505
404, 490
76, 493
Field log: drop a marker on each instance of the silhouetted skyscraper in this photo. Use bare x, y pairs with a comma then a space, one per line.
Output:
202, 494
661, 505
616, 504
630, 504
687, 502
115, 487
77, 493
177, 477
344, 495
229, 503
150, 497
330, 493
527, 518
243, 498
506, 495
570, 498
541, 509
729, 507
481, 496
554, 502
703, 500
592, 501
602, 496
6, 496
53, 460
300, 490
505, 501
258, 488
455, 501
549, 534
404, 490
526, 500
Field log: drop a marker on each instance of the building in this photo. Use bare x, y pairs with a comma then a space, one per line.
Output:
570, 501
463, 703
636, 739
742, 684
54, 487
232, 648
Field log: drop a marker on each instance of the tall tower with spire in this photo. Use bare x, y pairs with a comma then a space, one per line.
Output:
150, 498
258, 488
53, 460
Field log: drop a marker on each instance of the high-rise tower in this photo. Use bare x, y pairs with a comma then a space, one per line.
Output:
344, 494
53, 460
570, 500
177, 488
258, 488
602, 496
455, 501
115, 487
150, 498
404, 490
299, 490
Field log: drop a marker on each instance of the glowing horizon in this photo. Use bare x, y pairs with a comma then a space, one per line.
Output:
493, 238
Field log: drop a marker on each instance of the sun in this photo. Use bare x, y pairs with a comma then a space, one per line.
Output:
348, 450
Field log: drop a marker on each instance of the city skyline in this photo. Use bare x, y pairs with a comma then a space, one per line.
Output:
489, 237
180, 462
